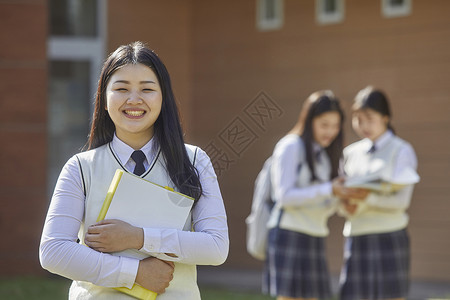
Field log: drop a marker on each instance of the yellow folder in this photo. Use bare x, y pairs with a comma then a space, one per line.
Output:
144, 204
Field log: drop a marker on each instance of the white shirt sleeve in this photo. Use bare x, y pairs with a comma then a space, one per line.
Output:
208, 244
60, 253
284, 175
406, 158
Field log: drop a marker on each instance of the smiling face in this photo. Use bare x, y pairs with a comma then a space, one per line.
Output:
369, 123
133, 101
326, 127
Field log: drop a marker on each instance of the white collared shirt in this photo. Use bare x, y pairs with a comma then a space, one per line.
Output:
380, 212
305, 205
124, 151
406, 156
61, 254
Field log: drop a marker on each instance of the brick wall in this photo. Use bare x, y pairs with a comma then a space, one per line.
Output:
166, 28
408, 57
220, 66
23, 115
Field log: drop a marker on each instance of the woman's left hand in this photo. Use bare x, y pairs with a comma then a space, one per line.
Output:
349, 206
114, 235
343, 192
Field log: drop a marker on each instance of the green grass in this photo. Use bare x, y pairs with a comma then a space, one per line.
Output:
33, 288
57, 288
217, 294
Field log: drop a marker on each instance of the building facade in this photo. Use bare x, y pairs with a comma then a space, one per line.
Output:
240, 71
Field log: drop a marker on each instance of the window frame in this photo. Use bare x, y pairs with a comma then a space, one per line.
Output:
326, 18
76, 49
264, 24
389, 11
83, 48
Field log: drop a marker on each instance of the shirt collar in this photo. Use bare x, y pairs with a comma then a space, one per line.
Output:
124, 151
316, 147
382, 140
317, 151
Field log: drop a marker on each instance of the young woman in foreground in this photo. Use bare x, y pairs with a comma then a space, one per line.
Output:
135, 128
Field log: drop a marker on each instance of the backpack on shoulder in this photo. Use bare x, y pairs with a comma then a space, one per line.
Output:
262, 204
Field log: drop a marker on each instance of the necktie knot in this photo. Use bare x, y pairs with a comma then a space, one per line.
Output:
139, 157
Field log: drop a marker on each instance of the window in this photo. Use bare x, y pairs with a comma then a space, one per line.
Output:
73, 18
75, 52
329, 11
68, 111
269, 14
396, 8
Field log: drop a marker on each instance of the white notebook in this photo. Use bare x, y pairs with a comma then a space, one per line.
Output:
383, 183
144, 204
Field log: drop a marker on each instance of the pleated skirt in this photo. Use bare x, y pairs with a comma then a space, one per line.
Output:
296, 266
376, 266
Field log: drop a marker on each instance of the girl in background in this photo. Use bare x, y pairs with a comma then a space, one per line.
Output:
304, 184
376, 254
135, 128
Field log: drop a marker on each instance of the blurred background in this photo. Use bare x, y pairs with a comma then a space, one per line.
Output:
240, 71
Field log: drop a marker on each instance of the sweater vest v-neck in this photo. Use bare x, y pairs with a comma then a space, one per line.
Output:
359, 162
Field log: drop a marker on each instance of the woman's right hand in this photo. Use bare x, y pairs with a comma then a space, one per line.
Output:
343, 192
155, 274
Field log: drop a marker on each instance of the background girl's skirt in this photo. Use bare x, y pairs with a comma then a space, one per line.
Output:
296, 266
376, 266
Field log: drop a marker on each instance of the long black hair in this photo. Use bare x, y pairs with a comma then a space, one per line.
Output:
317, 104
168, 132
371, 98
